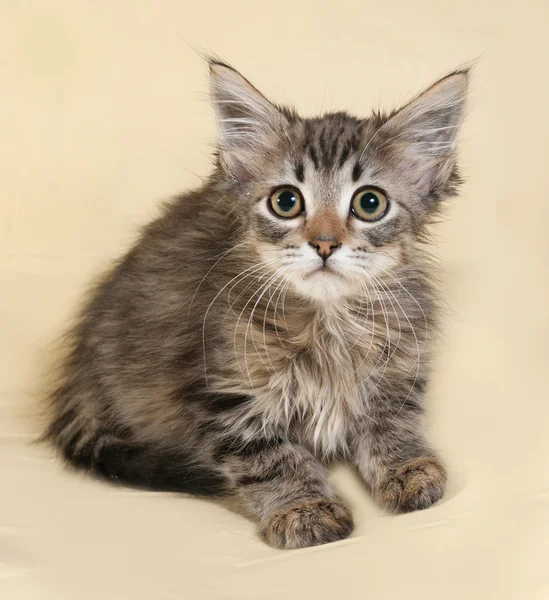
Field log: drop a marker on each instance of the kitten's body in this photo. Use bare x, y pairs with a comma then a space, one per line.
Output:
200, 364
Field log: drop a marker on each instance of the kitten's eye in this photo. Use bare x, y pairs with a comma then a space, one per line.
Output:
286, 203
369, 204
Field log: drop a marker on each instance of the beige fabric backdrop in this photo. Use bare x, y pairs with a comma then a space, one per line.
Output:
103, 113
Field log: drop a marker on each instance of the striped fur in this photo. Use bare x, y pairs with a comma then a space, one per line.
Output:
226, 354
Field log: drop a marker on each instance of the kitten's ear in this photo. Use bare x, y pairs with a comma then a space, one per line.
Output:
423, 134
247, 122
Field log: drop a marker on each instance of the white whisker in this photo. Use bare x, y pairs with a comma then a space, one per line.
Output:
252, 268
261, 292
210, 270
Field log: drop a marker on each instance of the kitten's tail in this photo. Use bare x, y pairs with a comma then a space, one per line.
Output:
128, 462
156, 469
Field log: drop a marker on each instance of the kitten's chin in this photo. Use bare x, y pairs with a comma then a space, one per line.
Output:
324, 286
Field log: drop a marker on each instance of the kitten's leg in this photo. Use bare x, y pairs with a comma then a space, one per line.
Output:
396, 460
285, 489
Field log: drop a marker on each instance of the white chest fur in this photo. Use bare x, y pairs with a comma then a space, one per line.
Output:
317, 380
320, 387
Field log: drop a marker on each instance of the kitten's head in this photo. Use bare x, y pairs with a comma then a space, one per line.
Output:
333, 203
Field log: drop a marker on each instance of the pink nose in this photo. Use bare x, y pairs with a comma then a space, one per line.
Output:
325, 246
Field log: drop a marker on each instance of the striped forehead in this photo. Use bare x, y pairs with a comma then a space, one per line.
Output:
328, 165
328, 143
331, 143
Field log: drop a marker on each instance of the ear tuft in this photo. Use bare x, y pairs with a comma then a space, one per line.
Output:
247, 122
423, 134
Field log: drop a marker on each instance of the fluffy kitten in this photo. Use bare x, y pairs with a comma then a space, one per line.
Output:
279, 316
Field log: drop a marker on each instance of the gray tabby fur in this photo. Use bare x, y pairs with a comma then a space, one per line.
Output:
220, 358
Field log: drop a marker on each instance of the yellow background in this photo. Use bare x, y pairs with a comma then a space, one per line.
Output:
103, 113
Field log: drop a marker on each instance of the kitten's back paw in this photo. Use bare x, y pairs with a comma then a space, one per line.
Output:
308, 523
416, 485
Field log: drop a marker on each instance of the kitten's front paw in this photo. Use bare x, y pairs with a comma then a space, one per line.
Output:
413, 486
308, 523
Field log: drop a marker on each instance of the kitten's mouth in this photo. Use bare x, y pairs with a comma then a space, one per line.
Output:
325, 271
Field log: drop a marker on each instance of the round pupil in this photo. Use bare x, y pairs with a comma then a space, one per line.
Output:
369, 202
286, 200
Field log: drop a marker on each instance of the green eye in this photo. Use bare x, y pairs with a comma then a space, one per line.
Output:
369, 204
286, 203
